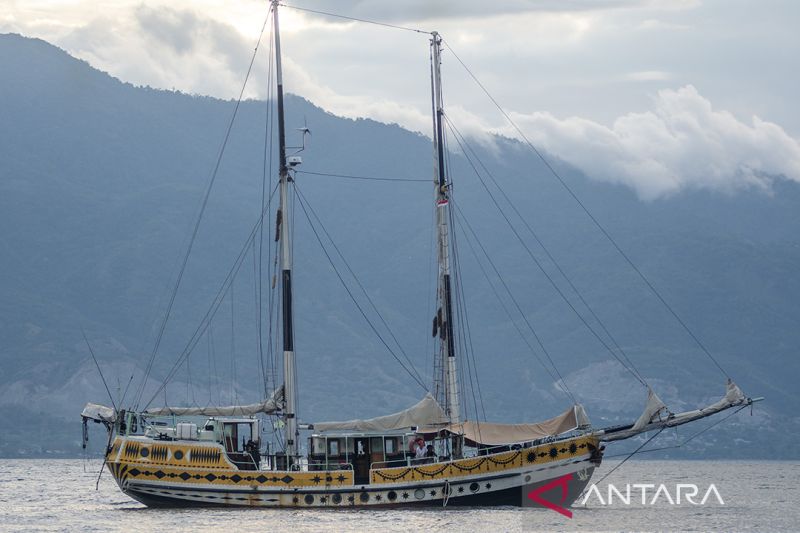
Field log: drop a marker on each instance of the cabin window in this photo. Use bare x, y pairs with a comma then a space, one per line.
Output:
391, 446
333, 447
317, 446
349, 445
376, 445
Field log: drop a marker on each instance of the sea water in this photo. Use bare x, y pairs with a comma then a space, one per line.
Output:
60, 495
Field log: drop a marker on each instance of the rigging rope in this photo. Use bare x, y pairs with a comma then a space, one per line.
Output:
588, 213
303, 204
430, 343
639, 449
110, 397
354, 19
212, 360
465, 330
556, 377
266, 170
167, 314
212, 310
629, 366
694, 436
461, 308
629, 456
370, 178
257, 282
549, 255
196, 228
234, 378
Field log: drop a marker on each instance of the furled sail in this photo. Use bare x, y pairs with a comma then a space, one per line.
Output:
651, 419
652, 411
425, 413
269, 406
491, 434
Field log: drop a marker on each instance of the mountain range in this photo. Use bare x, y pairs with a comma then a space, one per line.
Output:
101, 182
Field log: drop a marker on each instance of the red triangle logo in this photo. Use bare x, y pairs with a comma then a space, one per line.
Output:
563, 482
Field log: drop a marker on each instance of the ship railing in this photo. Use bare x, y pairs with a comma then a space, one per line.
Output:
500, 448
408, 461
252, 460
328, 466
272, 462
470, 452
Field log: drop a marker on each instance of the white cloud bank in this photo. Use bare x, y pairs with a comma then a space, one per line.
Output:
683, 143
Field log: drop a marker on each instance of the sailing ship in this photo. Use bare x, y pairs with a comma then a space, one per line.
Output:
428, 454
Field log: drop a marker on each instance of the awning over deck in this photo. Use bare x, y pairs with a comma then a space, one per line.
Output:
493, 434
427, 412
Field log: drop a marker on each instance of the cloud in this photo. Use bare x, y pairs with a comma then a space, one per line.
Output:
655, 24
425, 10
647, 75
683, 143
176, 29
354, 105
167, 48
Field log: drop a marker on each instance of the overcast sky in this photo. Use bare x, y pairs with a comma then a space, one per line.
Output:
661, 95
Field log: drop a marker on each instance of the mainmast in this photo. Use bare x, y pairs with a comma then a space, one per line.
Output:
444, 315
283, 220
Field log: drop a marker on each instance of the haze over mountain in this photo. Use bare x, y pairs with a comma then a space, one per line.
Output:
101, 181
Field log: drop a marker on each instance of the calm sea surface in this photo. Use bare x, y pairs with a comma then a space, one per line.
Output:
59, 495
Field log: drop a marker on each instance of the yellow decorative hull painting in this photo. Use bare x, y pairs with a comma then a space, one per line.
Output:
190, 474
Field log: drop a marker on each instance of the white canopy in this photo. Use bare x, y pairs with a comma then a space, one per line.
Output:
268, 406
498, 434
425, 413
101, 413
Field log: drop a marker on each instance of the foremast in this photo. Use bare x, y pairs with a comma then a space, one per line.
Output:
284, 235
444, 315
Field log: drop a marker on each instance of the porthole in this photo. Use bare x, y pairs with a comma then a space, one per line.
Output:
474, 487
392, 495
309, 499
145, 452
419, 494
337, 498
364, 497
527, 479
178, 455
